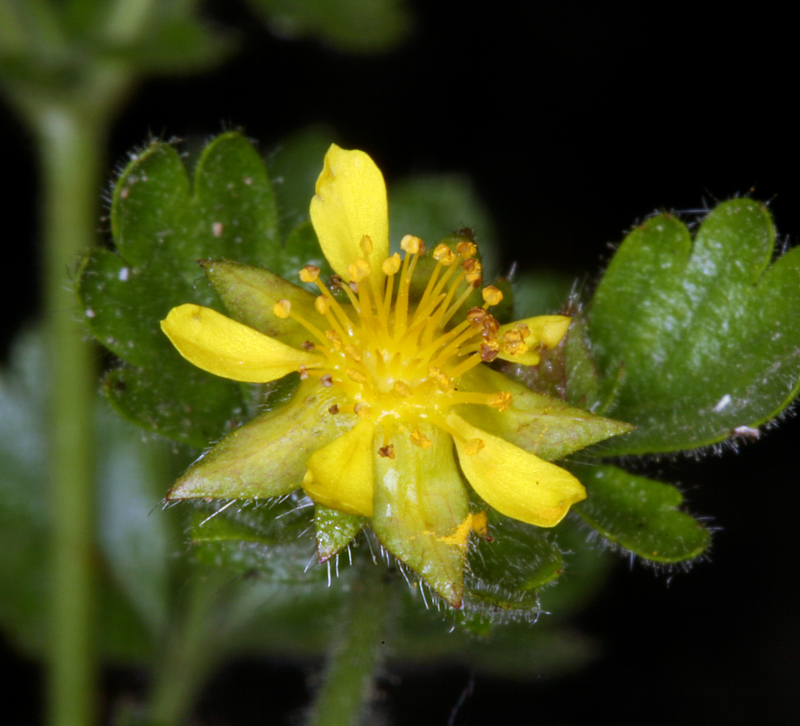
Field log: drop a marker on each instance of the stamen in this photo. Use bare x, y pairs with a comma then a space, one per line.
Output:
282, 309
334, 409
387, 452
491, 295
466, 249
309, 273
361, 409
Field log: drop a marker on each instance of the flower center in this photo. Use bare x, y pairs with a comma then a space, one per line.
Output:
396, 361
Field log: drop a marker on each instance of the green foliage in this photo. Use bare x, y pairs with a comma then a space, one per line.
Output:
507, 572
355, 26
694, 339
161, 226
639, 514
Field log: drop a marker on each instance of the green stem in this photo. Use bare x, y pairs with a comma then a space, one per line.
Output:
348, 681
190, 651
71, 156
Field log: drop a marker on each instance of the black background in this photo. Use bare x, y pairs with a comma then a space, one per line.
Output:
575, 120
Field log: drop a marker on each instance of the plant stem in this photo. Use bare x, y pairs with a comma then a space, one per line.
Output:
71, 154
348, 681
191, 650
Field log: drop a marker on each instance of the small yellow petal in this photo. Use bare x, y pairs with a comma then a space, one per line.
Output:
349, 204
544, 331
229, 349
340, 474
514, 482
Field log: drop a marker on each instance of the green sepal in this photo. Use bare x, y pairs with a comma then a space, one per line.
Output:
250, 293
701, 334
639, 514
334, 530
507, 571
267, 456
545, 426
266, 539
420, 504
161, 225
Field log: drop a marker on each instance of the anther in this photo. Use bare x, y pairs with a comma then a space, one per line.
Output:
366, 244
489, 351
444, 255
322, 304
474, 446
309, 273
442, 379
391, 265
362, 410
355, 375
327, 382
387, 452
333, 409
307, 345
335, 338
282, 309
401, 388
466, 249
501, 401
303, 373
419, 439
413, 245
491, 295
359, 270
473, 271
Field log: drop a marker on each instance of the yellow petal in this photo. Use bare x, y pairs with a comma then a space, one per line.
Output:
545, 331
229, 349
514, 482
350, 202
340, 474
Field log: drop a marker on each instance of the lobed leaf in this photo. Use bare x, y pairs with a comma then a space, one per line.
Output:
639, 514
703, 335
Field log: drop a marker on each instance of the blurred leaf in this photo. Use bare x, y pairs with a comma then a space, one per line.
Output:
639, 514
294, 168
161, 228
354, 26
540, 293
132, 542
703, 335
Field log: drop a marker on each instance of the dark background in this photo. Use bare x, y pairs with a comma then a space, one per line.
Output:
575, 120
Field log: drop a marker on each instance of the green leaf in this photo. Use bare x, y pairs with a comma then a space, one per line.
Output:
269, 539
639, 514
507, 572
703, 335
335, 530
132, 593
161, 227
354, 26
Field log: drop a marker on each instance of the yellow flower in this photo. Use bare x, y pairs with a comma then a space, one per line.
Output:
396, 405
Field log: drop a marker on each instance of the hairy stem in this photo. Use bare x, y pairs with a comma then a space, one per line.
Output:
348, 680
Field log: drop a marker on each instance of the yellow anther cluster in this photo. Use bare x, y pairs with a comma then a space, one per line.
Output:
399, 362
514, 340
